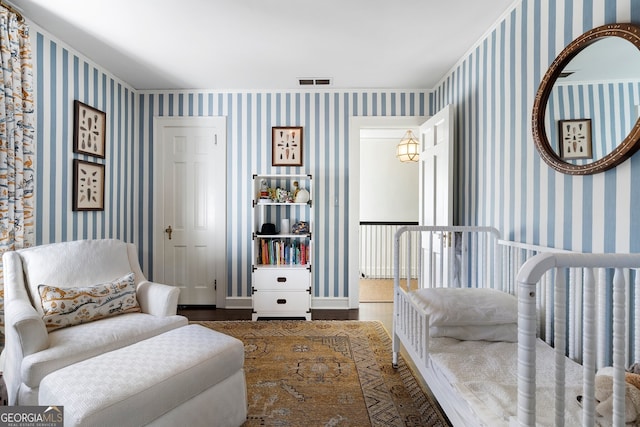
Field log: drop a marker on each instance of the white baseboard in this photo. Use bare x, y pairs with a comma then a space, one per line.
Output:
237, 303
316, 303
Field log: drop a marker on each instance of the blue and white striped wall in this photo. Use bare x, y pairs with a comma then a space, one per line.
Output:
511, 188
63, 76
324, 117
505, 183
612, 108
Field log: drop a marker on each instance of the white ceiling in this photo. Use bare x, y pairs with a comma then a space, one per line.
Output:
269, 44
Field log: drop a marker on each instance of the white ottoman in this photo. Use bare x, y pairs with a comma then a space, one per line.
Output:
192, 374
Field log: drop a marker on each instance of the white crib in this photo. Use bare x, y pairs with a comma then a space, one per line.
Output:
575, 313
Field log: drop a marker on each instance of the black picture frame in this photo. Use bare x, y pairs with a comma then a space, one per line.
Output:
88, 186
89, 130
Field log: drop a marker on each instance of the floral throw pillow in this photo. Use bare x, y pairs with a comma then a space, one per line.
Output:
71, 306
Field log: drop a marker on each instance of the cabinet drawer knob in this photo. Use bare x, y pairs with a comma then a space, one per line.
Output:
282, 279
281, 301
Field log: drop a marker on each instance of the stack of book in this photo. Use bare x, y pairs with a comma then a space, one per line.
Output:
283, 252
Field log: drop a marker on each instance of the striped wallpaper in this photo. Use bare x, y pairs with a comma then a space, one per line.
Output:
324, 117
493, 89
63, 77
505, 183
612, 108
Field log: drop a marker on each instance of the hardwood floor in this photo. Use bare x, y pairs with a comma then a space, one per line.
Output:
370, 290
367, 311
382, 311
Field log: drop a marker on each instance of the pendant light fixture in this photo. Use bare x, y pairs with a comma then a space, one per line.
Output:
408, 148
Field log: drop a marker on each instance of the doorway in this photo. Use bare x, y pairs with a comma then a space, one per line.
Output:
370, 125
189, 222
389, 197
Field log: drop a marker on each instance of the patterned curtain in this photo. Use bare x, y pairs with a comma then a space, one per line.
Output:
17, 119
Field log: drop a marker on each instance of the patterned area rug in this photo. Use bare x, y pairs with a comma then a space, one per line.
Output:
327, 373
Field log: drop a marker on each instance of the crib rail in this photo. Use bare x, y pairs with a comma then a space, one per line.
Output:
448, 255
457, 256
514, 255
585, 306
606, 283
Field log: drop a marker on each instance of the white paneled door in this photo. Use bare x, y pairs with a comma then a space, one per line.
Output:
190, 217
437, 183
436, 169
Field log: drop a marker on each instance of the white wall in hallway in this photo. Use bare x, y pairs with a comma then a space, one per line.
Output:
388, 187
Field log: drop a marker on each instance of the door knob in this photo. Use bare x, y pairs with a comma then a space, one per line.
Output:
168, 230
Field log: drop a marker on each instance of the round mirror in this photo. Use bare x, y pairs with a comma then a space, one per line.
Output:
586, 113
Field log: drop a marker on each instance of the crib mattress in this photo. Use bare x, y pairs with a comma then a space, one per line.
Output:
480, 381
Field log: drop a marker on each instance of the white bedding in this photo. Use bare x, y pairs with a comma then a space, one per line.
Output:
482, 376
471, 366
469, 313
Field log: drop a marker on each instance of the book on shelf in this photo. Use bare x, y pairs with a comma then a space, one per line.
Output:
283, 252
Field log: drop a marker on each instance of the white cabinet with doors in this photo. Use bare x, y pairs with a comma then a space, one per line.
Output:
282, 246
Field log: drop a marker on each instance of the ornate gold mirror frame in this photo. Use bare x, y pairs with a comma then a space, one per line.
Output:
625, 149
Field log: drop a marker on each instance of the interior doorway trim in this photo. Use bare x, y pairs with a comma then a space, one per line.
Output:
355, 125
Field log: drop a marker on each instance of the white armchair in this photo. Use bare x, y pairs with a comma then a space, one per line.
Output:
31, 351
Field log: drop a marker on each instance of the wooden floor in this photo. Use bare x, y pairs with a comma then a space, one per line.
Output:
370, 290
376, 290
382, 311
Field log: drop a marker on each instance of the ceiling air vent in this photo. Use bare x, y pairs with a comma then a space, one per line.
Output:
314, 81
